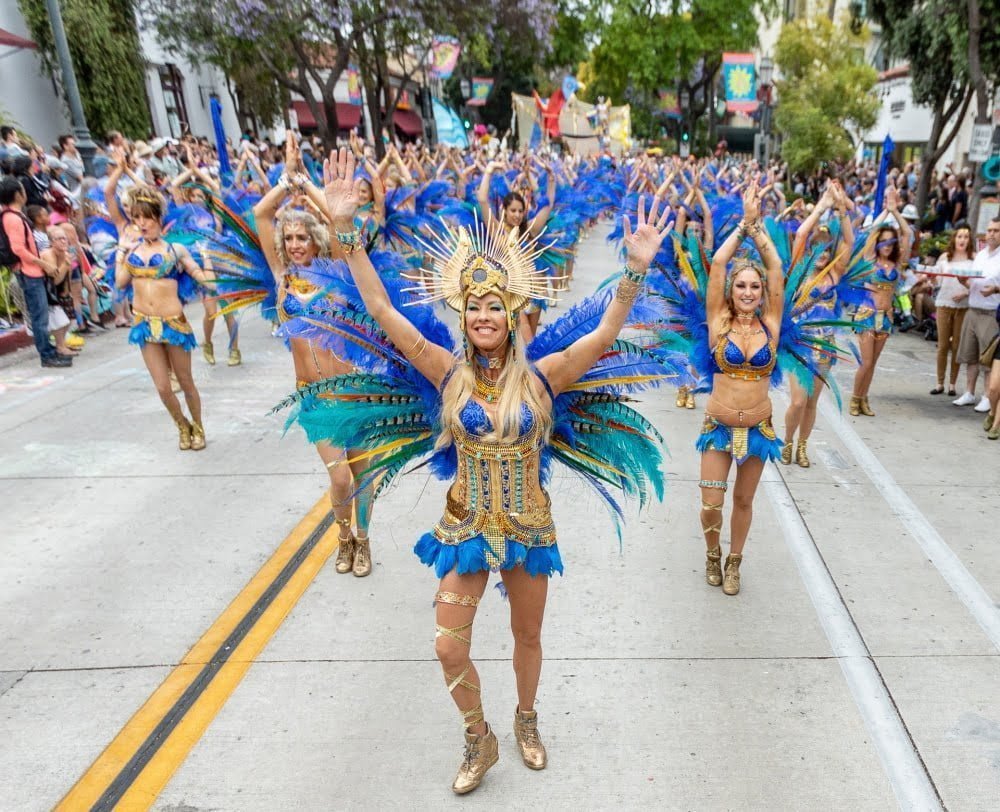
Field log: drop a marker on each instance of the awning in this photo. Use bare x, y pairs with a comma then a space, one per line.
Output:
348, 115
14, 41
408, 122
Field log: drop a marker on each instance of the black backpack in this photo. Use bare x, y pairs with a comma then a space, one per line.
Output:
8, 259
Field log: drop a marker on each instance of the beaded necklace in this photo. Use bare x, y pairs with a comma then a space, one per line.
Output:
487, 389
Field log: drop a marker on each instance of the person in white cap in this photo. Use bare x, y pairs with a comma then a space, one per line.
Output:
163, 161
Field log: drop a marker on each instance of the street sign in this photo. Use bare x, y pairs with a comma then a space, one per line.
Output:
982, 138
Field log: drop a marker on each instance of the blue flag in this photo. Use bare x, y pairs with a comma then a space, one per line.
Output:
225, 168
883, 173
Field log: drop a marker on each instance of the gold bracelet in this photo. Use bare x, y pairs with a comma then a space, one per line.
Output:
410, 356
627, 291
350, 241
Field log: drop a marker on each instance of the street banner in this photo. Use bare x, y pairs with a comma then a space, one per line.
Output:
982, 141
888, 146
739, 78
353, 85
444, 57
481, 87
450, 129
668, 105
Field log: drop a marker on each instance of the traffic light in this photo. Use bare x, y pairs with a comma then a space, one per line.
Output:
685, 136
467, 123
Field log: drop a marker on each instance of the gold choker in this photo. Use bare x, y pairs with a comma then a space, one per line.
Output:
488, 390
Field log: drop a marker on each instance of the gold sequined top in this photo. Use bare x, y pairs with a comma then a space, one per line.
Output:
497, 492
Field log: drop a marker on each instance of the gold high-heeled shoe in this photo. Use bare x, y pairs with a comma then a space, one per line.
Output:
526, 733
345, 547
184, 428
786, 454
482, 751
713, 566
197, 437
866, 409
731, 580
855, 408
801, 457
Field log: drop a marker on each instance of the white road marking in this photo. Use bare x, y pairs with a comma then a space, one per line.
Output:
954, 572
900, 760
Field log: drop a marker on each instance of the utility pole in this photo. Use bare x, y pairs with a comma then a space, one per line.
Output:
84, 143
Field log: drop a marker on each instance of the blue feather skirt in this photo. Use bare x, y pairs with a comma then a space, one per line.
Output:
744, 442
470, 556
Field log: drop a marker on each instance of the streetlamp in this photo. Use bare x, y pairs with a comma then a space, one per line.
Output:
764, 97
86, 147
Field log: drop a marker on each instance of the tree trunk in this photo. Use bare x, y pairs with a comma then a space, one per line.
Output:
978, 81
936, 146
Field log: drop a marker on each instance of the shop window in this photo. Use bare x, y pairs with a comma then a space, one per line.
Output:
172, 85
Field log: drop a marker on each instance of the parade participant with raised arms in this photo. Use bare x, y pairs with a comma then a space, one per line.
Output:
496, 409
292, 244
889, 248
744, 309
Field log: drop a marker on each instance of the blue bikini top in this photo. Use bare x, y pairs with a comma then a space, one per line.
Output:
730, 360
881, 275
158, 266
477, 422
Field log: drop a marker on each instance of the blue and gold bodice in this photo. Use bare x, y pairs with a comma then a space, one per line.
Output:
158, 266
497, 492
729, 359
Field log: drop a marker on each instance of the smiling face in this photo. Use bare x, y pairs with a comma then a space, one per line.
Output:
747, 293
364, 193
963, 238
486, 322
299, 245
513, 214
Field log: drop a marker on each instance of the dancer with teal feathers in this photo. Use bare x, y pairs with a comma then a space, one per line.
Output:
492, 416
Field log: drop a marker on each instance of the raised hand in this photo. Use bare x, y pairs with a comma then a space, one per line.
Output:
341, 189
751, 202
643, 243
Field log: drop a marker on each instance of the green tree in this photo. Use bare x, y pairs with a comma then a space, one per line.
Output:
825, 92
104, 46
648, 46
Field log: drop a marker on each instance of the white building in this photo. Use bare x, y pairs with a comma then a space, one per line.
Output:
178, 93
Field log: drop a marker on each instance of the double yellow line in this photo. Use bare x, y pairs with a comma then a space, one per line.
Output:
136, 766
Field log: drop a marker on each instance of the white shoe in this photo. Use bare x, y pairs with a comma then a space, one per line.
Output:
965, 400
983, 405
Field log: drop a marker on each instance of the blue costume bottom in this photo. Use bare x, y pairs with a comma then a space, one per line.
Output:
470, 556
742, 442
869, 320
156, 330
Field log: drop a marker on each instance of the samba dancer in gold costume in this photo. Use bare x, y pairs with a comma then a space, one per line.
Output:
496, 409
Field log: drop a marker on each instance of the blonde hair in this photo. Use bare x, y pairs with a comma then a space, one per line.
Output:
517, 381
316, 230
739, 266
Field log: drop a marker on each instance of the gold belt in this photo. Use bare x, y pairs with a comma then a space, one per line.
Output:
178, 323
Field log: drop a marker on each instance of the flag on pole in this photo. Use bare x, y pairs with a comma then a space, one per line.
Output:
353, 85
883, 174
225, 168
739, 78
444, 56
481, 87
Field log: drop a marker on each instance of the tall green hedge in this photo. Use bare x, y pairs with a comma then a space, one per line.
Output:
104, 45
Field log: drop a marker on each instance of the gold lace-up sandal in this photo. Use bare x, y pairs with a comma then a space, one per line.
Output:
713, 555
731, 580
801, 457
526, 732
786, 454
184, 430
482, 750
362, 557
345, 548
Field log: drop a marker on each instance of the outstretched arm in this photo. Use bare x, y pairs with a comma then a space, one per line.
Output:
431, 360
565, 368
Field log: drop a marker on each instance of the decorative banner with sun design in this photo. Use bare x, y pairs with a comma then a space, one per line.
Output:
740, 80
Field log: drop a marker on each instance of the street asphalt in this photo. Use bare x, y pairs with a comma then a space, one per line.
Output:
858, 669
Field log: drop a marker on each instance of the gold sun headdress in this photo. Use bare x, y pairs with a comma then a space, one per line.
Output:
481, 260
